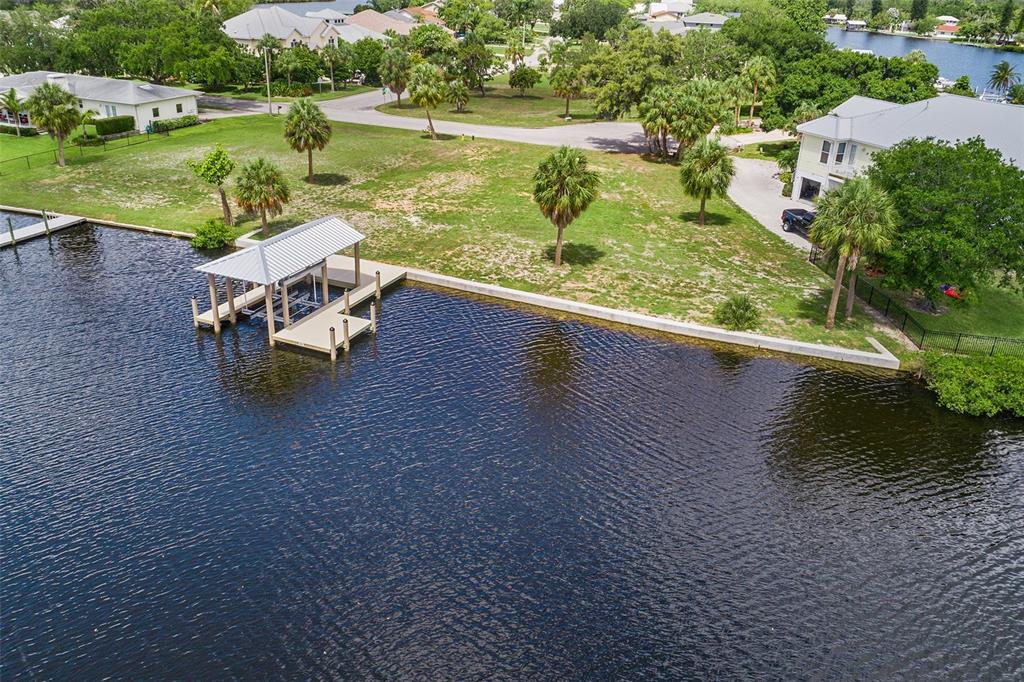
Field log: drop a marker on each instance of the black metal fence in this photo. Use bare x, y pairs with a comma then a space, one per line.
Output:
76, 150
921, 336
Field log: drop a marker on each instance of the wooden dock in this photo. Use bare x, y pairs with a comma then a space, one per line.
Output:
52, 224
246, 300
313, 332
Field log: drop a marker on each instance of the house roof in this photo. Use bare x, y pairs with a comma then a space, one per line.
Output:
425, 12
288, 254
400, 15
946, 117
947, 28
351, 33
326, 13
112, 90
856, 22
256, 23
345, 7
375, 21
709, 18
946, 19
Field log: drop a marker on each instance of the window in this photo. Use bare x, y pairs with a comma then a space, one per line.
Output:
156, 112
110, 110
852, 155
826, 149
80, 105
177, 107
840, 152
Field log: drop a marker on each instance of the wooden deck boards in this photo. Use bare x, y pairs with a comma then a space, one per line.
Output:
37, 229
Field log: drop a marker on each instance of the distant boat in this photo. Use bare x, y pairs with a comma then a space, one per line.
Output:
997, 97
857, 51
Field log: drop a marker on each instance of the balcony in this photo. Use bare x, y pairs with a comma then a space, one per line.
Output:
843, 170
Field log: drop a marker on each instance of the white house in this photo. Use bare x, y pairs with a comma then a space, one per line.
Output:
708, 20
947, 19
145, 102
840, 144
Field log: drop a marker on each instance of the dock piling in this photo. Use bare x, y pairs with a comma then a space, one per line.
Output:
46, 224
231, 301
268, 294
214, 305
347, 310
373, 318
334, 345
195, 313
323, 283
377, 290
344, 335
10, 229
285, 308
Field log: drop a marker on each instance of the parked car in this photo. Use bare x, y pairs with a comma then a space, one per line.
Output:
797, 220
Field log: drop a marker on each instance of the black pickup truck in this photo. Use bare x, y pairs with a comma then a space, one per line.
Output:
797, 220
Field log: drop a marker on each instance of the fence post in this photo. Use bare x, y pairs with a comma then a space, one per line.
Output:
957, 348
871, 295
993, 351
904, 325
888, 302
28, 164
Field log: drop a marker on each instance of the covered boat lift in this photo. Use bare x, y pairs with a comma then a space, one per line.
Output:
271, 266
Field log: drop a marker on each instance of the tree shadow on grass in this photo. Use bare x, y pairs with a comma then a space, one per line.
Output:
441, 137
330, 179
576, 254
710, 218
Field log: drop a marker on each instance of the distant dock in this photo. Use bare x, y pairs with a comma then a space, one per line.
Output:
49, 223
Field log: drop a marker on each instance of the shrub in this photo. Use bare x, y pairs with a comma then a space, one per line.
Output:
11, 130
979, 386
175, 123
114, 124
213, 234
738, 313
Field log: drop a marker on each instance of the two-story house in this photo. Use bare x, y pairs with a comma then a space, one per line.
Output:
840, 144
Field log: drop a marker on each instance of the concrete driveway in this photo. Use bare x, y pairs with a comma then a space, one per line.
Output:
757, 190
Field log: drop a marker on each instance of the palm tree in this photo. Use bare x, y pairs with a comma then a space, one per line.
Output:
289, 63
699, 105
854, 219
55, 109
514, 50
457, 94
1003, 76
261, 187
1015, 93
563, 188
567, 81
306, 128
761, 73
706, 171
737, 88
395, 67
88, 119
427, 90
657, 114
12, 103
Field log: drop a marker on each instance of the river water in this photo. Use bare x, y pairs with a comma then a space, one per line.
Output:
477, 492
953, 60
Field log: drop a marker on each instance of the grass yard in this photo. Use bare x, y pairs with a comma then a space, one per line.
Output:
992, 311
12, 146
504, 106
464, 208
766, 151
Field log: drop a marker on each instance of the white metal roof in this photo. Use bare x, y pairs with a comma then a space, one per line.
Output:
946, 117
94, 87
256, 23
287, 254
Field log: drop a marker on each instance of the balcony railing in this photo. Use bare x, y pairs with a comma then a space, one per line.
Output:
843, 170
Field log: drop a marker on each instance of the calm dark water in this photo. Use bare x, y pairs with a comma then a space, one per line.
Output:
479, 492
17, 220
953, 60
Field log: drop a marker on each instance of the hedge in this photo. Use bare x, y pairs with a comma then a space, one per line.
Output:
11, 130
114, 124
979, 386
175, 123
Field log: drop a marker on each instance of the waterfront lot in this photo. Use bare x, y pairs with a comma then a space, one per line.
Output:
464, 208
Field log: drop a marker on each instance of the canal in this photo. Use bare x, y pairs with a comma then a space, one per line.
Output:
953, 60
479, 491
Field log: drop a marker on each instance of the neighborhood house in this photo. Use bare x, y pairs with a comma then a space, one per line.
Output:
145, 102
839, 145
315, 30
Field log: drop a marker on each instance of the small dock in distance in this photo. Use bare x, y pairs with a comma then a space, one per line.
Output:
50, 223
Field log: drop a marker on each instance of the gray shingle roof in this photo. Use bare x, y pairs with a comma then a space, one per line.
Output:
256, 23
946, 117
93, 87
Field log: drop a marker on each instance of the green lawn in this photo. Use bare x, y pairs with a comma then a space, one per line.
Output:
767, 151
503, 105
464, 209
12, 146
990, 311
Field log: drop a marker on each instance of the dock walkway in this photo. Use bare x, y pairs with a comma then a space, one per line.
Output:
20, 234
313, 332
246, 300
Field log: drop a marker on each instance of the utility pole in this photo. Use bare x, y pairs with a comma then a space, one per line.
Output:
266, 67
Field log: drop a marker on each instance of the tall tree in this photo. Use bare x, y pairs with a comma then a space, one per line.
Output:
737, 89
55, 109
306, 128
567, 81
706, 171
395, 69
338, 60
700, 105
876, 8
214, 168
760, 72
457, 93
852, 220
13, 104
261, 187
523, 78
961, 216
427, 89
658, 113
563, 188
1003, 76
918, 9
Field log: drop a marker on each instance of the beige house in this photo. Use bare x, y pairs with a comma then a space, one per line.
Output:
315, 30
840, 144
